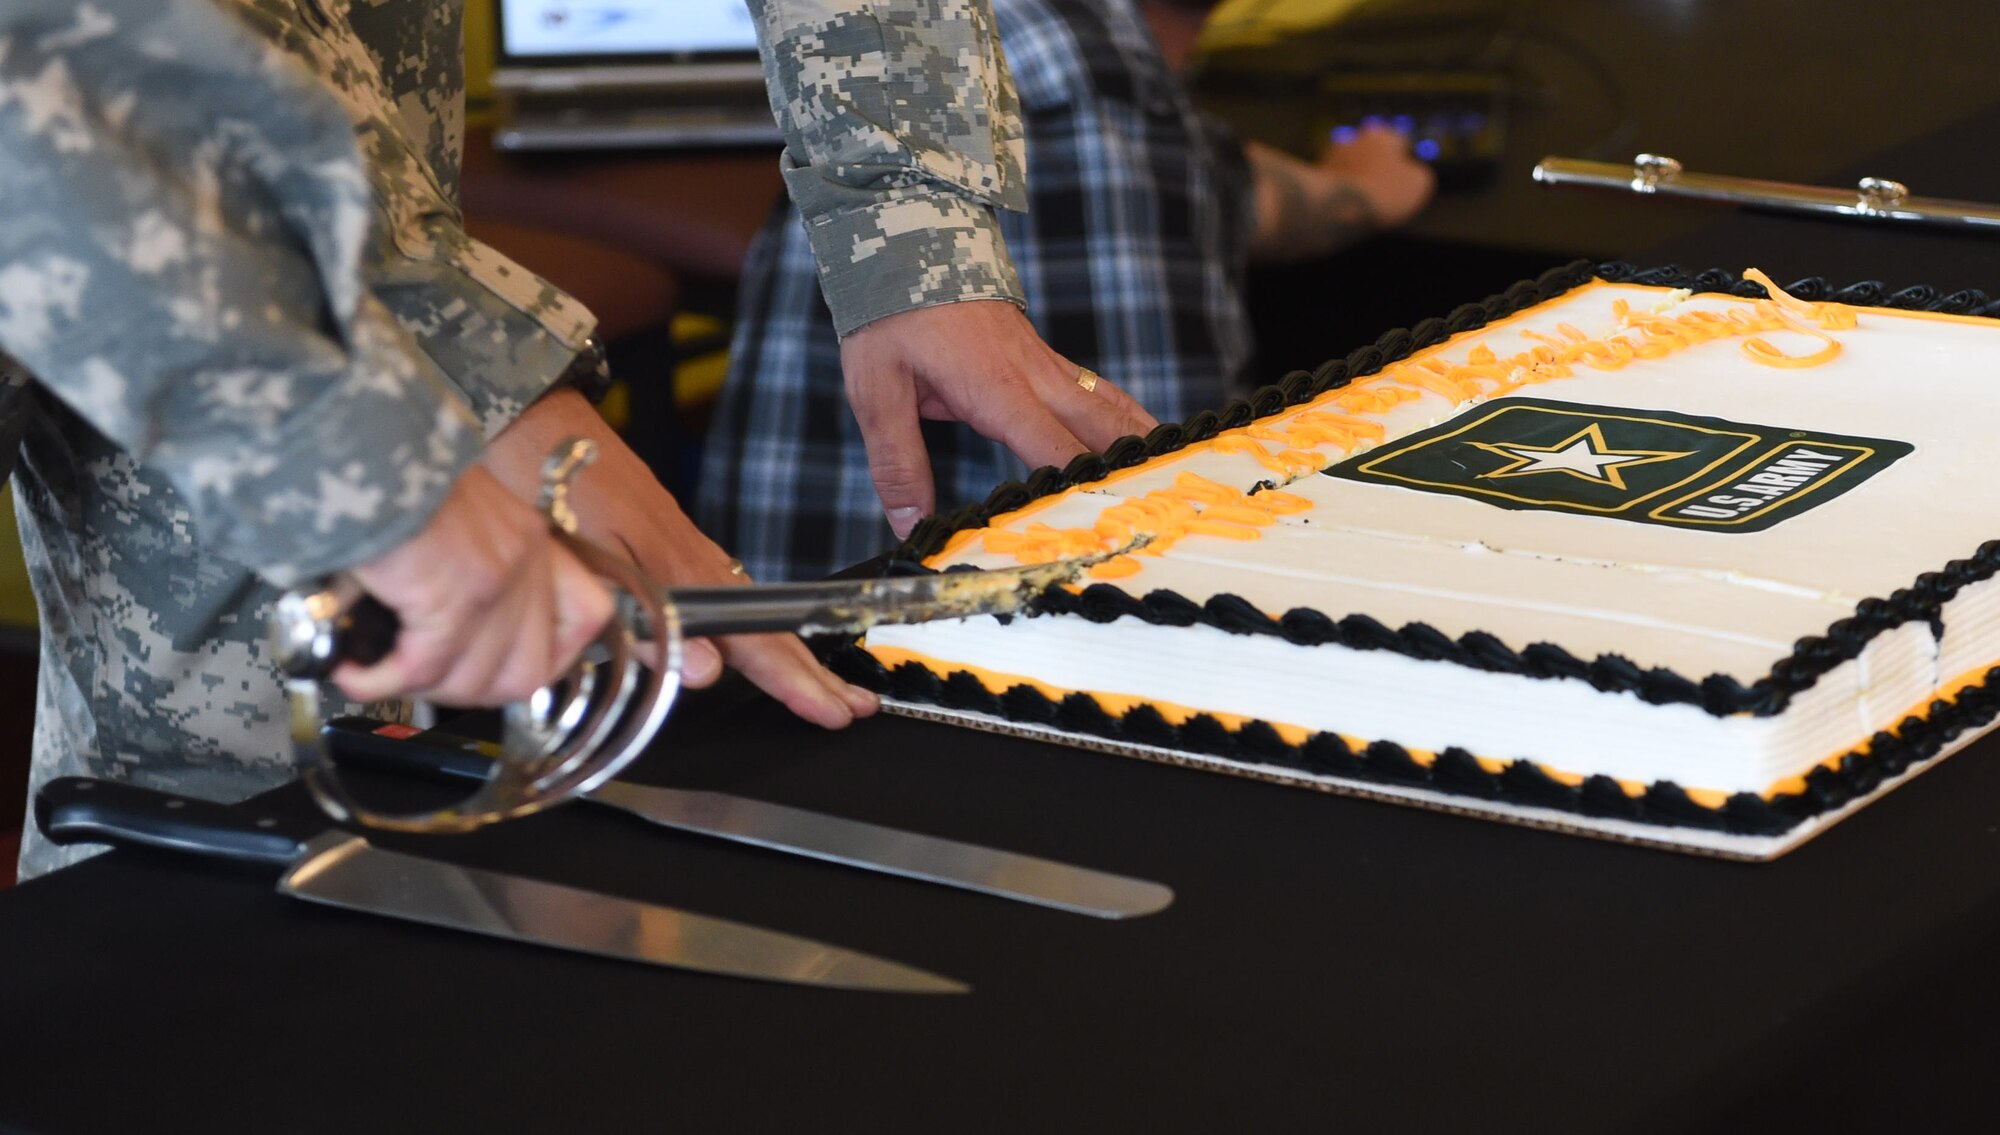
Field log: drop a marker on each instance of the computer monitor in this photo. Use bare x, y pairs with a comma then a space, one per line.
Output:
559, 33
582, 74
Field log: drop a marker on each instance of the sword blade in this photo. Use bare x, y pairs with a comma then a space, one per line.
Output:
853, 606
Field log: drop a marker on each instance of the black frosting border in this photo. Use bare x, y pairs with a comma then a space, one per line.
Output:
1454, 771
1718, 694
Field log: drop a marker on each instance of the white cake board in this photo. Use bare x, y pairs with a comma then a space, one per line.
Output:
1693, 841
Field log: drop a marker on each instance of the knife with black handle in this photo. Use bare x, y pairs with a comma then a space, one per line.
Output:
337, 868
777, 827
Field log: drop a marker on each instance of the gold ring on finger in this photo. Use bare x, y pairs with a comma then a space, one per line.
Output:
1087, 378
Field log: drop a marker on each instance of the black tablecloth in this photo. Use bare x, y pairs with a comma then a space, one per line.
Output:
1329, 962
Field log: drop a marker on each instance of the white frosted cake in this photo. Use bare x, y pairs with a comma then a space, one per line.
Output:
1623, 551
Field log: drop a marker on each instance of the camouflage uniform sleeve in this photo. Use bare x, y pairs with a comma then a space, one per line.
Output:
180, 263
903, 134
497, 332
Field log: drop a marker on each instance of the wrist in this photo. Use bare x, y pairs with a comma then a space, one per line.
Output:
910, 252
589, 374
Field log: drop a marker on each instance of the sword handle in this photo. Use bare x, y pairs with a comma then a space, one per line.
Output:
563, 740
75, 809
315, 631
370, 632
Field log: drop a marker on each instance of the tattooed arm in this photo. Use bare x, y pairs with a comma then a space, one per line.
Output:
1306, 210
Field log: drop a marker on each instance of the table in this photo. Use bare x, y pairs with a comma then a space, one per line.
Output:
1329, 962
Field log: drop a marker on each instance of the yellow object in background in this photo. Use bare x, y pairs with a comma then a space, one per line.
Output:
17, 602
479, 61
701, 343
1243, 23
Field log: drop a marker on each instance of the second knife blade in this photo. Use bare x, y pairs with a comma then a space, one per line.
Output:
797, 831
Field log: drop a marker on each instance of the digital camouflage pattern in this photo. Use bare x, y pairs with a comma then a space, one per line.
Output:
903, 134
263, 348
1133, 254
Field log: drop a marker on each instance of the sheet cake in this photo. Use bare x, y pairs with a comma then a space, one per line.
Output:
1644, 552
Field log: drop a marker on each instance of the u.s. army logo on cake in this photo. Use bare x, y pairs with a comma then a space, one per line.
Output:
1646, 466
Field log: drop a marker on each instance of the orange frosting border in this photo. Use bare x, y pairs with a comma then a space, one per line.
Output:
1118, 705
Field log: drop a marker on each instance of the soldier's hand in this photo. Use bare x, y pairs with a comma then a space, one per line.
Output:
492, 608
621, 506
979, 362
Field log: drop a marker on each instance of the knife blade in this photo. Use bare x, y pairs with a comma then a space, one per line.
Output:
835, 839
337, 868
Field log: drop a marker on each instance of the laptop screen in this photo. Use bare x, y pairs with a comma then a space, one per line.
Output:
551, 31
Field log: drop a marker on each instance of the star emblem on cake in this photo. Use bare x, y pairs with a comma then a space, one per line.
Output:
1584, 455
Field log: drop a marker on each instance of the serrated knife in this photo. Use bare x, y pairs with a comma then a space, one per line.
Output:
835, 839
337, 868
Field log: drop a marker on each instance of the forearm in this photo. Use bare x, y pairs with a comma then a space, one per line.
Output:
903, 134
184, 273
496, 332
1304, 212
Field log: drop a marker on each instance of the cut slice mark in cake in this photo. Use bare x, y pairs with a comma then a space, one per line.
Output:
1626, 618
1734, 578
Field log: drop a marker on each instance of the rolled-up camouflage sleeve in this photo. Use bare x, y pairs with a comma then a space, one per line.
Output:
903, 134
184, 272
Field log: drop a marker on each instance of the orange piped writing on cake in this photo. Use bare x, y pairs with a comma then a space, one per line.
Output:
1781, 312
1040, 544
1294, 445
1150, 524
1764, 353
1553, 356
1117, 567
1832, 316
1241, 443
1303, 432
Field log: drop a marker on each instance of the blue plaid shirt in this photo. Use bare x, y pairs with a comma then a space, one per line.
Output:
1132, 254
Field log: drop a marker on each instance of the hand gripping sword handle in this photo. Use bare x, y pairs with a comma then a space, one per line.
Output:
320, 629
564, 740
